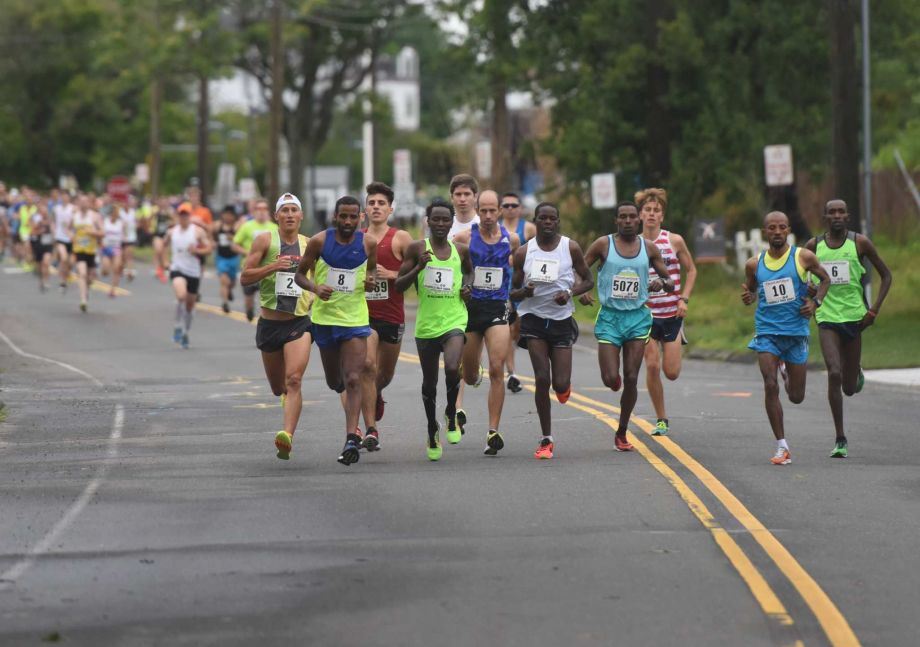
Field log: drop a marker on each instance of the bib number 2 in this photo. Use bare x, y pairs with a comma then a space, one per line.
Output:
285, 285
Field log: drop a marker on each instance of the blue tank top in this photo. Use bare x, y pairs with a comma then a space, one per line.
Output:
520, 230
622, 283
343, 268
780, 294
490, 261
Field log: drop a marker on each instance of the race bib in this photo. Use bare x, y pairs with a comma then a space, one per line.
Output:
839, 271
439, 279
544, 270
778, 291
285, 285
223, 240
488, 278
341, 280
381, 291
82, 241
625, 286
46, 239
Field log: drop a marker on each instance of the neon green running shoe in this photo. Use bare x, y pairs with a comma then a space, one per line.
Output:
661, 428
453, 435
435, 453
860, 381
840, 449
283, 441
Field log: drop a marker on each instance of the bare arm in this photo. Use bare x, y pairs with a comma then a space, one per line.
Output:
656, 261
253, 270
749, 287
686, 262
415, 260
581, 269
466, 267
370, 248
307, 266
520, 291
596, 251
810, 263
401, 242
204, 241
864, 247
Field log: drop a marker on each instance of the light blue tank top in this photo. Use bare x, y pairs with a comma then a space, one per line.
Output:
622, 283
780, 294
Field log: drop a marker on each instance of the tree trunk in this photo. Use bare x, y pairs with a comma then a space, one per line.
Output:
658, 118
501, 140
844, 107
204, 114
274, 129
156, 102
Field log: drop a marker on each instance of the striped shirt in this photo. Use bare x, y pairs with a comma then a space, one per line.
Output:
664, 304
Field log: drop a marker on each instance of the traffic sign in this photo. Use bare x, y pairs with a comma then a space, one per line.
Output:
603, 191
402, 166
777, 162
119, 188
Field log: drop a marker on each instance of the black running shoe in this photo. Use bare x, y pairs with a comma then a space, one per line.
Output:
494, 443
371, 440
351, 451
514, 384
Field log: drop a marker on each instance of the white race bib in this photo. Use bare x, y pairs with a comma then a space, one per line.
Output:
223, 239
381, 291
839, 271
488, 278
46, 239
778, 291
624, 286
439, 279
544, 270
285, 285
341, 280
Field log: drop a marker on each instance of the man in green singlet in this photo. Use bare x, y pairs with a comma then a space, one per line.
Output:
284, 331
442, 274
842, 315
242, 241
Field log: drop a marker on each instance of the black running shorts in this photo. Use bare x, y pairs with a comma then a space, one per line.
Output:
387, 331
485, 313
557, 333
272, 335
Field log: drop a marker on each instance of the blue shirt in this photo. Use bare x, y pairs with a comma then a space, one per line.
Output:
780, 294
622, 283
487, 260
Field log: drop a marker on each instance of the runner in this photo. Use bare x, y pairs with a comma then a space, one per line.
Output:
842, 315
668, 309
513, 220
242, 241
4, 221
227, 260
63, 243
113, 228
164, 220
549, 263
442, 273
464, 192
42, 242
343, 263
385, 306
86, 234
490, 248
775, 279
624, 321
283, 334
129, 217
186, 242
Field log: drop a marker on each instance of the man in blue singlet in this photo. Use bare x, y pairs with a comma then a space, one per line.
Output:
775, 279
624, 320
491, 246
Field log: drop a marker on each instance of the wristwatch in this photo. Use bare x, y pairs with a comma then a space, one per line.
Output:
817, 302
685, 300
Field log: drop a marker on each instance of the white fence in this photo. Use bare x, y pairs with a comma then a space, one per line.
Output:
751, 244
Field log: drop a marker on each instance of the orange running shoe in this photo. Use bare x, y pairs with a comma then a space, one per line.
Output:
564, 396
161, 274
621, 444
781, 457
545, 449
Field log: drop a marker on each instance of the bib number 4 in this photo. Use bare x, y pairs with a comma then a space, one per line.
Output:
544, 270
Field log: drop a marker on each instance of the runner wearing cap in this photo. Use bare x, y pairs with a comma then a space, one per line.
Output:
186, 242
284, 332
242, 242
339, 266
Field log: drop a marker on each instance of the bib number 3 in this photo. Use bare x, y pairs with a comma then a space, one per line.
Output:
439, 279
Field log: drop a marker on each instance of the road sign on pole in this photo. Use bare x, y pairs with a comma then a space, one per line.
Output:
402, 166
603, 190
777, 162
484, 159
119, 188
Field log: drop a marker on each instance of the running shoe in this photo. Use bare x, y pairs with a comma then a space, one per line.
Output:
380, 406
840, 449
661, 428
621, 444
514, 384
225, 307
435, 453
83, 307
564, 396
860, 381
494, 443
63, 288
350, 452
360, 436
283, 442
161, 275
177, 335
479, 378
184, 342
453, 435
544, 449
781, 457
372, 440
461, 420
249, 314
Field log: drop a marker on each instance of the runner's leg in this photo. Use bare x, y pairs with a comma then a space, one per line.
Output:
608, 357
453, 351
653, 378
497, 340
633, 350
540, 358
83, 284
369, 382
831, 349
428, 358
296, 355
387, 356
274, 371
769, 366
472, 352
852, 358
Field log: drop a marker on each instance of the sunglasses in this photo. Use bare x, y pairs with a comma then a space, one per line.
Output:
510, 205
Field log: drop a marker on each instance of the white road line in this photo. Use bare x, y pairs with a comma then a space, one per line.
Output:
9, 577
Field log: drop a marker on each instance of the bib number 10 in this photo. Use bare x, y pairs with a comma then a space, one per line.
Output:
778, 291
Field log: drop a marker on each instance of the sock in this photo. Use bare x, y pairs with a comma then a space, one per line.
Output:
180, 311
546, 439
782, 443
188, 321
453, 390
431, 414
841, 439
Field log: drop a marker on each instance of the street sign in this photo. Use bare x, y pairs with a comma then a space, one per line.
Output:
119, 188
142, 173
709, 240
777, 162
603, 191
484, 159
248, 189
402, 166
404, 200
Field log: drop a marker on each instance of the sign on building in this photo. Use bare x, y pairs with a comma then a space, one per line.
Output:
404, 200
777, 162
709, 240
603, 191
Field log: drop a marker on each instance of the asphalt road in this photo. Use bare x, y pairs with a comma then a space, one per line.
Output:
141, 504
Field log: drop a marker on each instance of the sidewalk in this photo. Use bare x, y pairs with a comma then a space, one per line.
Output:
908, 377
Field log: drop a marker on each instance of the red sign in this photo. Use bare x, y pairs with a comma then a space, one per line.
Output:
119, 188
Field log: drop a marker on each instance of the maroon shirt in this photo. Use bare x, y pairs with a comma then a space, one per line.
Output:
391, 308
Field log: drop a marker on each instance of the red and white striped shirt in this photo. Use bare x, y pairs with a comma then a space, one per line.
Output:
664, 304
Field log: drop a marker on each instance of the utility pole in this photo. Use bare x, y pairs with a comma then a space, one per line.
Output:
867, 139
203, 136
367, 128
156, 101
274, 137
844, 107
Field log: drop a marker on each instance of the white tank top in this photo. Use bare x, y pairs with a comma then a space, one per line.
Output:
458, 226
63, 216
114, 233
130, 218
550, 272
183, 260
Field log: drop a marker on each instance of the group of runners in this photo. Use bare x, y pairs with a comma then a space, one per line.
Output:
486, 278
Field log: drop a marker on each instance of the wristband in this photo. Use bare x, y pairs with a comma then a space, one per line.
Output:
685, 300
